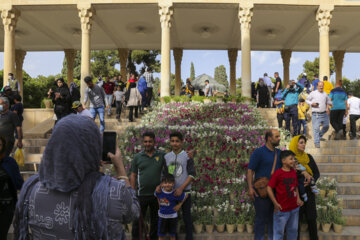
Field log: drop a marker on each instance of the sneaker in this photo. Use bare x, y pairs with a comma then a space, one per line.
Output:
304, 196
315, 190
317, 145
338, 135
322, 139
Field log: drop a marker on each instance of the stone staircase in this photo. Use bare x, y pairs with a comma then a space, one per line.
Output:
35, 140
339, 160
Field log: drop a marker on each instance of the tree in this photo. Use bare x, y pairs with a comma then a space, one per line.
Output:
312, 68
220, 76
238, 86
146, 58
103, 63
192, 71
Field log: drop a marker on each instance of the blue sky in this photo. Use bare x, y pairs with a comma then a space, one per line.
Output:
46, 63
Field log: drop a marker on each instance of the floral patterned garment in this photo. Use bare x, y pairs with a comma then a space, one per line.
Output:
51, 212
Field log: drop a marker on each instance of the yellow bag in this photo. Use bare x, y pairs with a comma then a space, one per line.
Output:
19, 156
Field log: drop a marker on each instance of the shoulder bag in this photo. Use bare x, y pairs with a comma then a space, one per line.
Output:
261, 183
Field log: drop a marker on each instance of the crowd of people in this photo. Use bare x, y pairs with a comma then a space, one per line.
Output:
293, 102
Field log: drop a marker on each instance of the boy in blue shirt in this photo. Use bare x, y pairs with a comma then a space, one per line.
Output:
169, 206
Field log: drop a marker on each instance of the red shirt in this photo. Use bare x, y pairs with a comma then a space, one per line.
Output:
109, 87
285, 184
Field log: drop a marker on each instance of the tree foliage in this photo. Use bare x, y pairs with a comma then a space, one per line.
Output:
192, 72
103, 63
220, 76
238, 86
146, 58
312, 67
351, 86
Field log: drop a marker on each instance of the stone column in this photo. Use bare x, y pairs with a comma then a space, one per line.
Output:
178, 53
232, 54
123, 56
245, 15
9, 17
70, 61
166, 12
286, 56
19, 61
323, 16
339, 60
86, 14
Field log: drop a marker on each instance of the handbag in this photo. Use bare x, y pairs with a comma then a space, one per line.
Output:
261, 183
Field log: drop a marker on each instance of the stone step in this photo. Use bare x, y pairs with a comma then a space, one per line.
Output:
337, 158
33, 149
352, 217
348, 189
334, 151
340, 143
339, 167
36, 142
346, 177
350, 201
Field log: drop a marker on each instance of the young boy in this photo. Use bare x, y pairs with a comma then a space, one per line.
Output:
77, 106
168, 207
287, 201
303, 107
119, 97
300, 168
181, 166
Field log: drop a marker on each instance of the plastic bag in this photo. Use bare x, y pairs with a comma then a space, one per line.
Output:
19, 156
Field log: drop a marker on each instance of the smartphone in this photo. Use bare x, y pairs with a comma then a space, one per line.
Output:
109, 145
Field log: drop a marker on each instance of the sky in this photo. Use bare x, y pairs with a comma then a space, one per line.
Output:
205, 61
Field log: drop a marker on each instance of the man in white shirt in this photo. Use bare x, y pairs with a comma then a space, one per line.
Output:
270, 86
319, 102
353, 106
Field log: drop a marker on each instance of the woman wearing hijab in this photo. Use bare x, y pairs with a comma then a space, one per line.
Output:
62, 99
10, 182
262, 93
74, 92
70, 198
133, 100
308, 210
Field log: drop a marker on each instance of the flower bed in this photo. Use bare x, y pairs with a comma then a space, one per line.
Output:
223, 135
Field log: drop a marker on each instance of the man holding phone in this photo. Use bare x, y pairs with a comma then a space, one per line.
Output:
320, 103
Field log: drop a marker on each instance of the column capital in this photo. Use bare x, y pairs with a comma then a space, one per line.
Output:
165, 11
70, 56
232, 54
178, 54
286, 55
9, 17
19, 57
323, 16
86, 13
245, 14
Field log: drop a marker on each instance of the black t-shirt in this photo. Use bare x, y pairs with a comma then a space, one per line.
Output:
19, 108
6, 197
8, 123
278, 79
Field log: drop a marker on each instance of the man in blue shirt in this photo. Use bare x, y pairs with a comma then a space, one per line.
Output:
260, 165
339, 98
315, 82
291, 98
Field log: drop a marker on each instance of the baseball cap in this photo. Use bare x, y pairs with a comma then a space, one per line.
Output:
76, 104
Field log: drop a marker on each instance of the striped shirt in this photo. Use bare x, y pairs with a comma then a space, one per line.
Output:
149, 79
338, 97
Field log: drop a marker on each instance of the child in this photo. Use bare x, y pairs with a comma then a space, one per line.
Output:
179, 164
168, 207
287, 201
119, 98
77, 106
280, 107
303, 107
300, 168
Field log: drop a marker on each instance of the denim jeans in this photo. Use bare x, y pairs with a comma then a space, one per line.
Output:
292, 115
264, 210
101, 112
280, 118
186, 213
286, 220
109, 99
145, 203
318, 119
303, 123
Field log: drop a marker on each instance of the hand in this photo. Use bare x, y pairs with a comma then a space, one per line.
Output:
315, 105
308, 178
328, 111
277, 207
107, 106
288, 86
116, 159
299, 202
178, 192
158, 189
177, 207
19, 143
252, 193
190, 153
